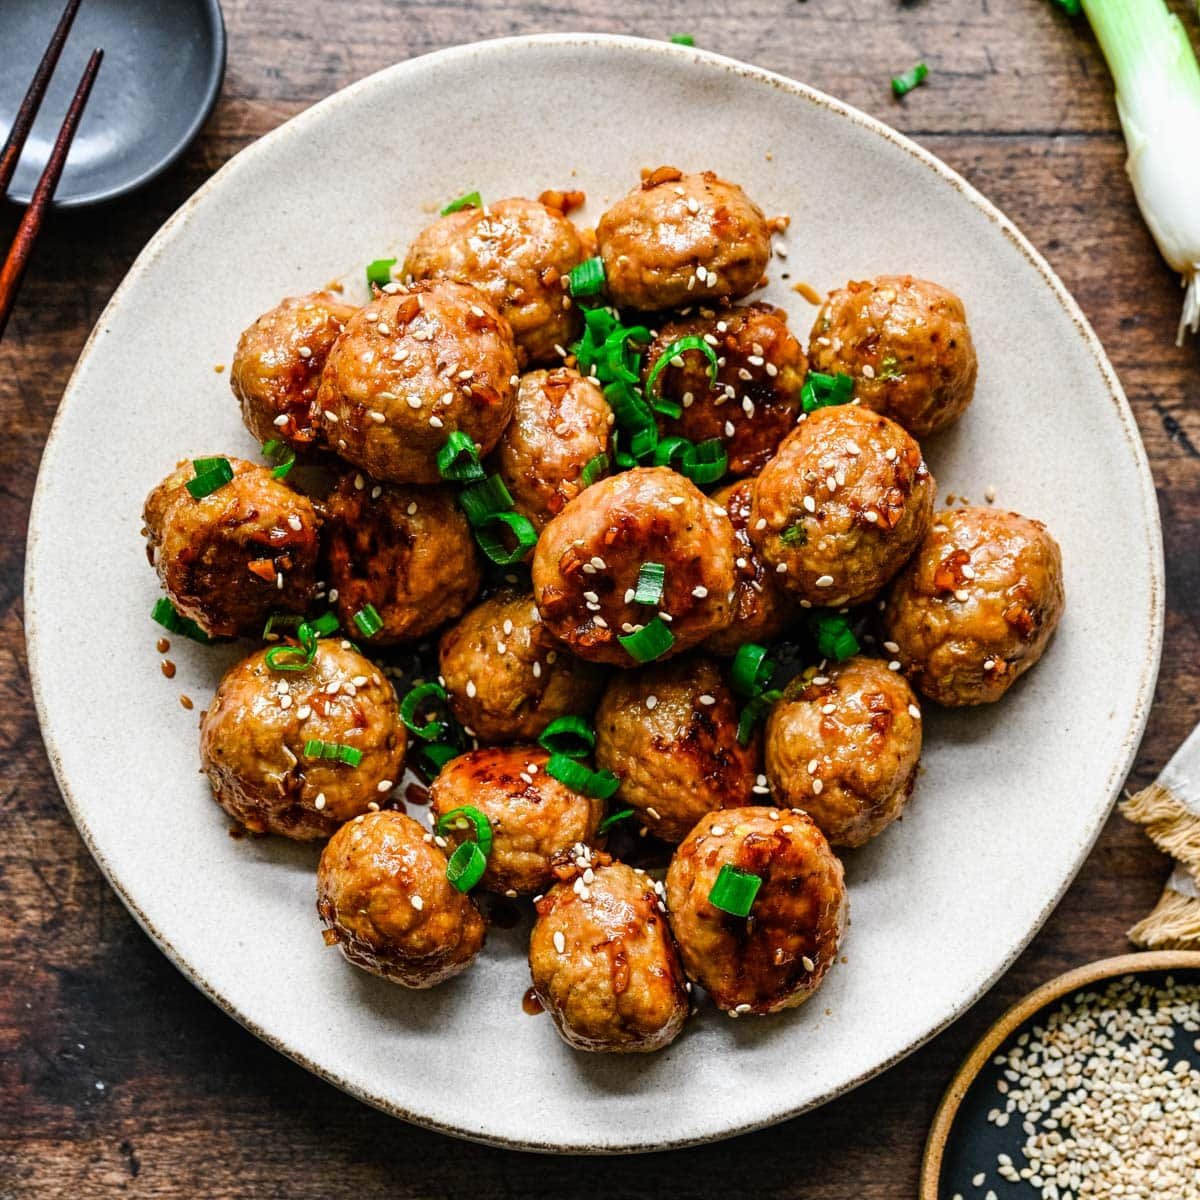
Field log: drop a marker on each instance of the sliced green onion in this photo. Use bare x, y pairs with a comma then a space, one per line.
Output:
210, 474
630, 410
466, 866
324, 625
650, 642
733, 891
795, 534
613, 818
489, 533
622, 360
587, 279
417, 699
834, 637
480, 500
751, 671
289, 621
820, 391
594, 468
298, 658
651, 580
643, 443
903, 84
458, 460
753, 712
599, 785
333, 751
676, 350
1072, 8
466, 200
435, 755
281, 455
464, 818
368, 620
674, 452
683, 39
164, 613
623, 459
571, 736
379, 272
711, 462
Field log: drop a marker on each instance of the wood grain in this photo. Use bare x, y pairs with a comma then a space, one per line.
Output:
115, 1075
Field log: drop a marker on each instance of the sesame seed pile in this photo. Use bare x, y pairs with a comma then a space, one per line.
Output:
1107, 1097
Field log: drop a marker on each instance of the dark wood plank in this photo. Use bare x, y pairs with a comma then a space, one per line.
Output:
115, 1075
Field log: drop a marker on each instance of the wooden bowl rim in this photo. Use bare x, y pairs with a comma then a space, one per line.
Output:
1018, 1014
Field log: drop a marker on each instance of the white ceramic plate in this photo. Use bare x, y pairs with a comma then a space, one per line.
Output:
1012, 796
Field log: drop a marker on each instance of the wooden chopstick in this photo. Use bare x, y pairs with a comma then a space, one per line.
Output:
28, 111
31, 221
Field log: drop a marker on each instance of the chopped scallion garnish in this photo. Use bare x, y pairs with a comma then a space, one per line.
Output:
701, 462
677, 350
683, 39
597, 784
210, 474
651, 580
903, 84
458, 460
379, 272
419, 698
821, 391
753, 712
794, 535
164, 613
333, 751
751, 671
614, 818
280, 455
650, 642
490, 534
433, 756
467, 817
467, 200
368, 620
276, 621
733, 891
595, 467
587, 279
571, 736
466, 866
834, 637
481, 500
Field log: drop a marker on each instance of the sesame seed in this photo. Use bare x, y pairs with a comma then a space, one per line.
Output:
890, 454
781, 568
384, 785
707, 700
376, 416
471, 689
818, 787
319, 802
700, 591
810, 505
894, 665
891, 647
825, 581
281, 420
651, 702
417, 903
560, 942
962, 594
827, 709
914, 712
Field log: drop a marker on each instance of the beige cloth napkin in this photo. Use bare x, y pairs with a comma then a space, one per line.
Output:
1169, 811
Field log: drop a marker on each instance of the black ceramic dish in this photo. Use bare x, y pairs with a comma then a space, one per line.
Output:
163, 64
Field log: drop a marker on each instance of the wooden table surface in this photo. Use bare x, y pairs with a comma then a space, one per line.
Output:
117, 1076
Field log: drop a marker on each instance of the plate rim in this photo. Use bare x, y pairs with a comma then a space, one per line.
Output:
704, 59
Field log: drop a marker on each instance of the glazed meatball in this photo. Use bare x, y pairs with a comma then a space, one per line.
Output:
233, 557
516, 252
277, 367
842, 505
604, 964
410, 369
906, 343
535, 819
762, 608
254, 735
561, 423
406, 550
977, 605
777, 956
681, 239
669, 733
586, 564
383, 896
844, 745
755, 401
507, 678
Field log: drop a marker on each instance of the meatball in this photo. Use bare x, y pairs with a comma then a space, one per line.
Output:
777, 956
233, 557
976, 606
255, 734
670, 734
561, 423
844, 745
604, 964
277, 366
384, 898
406, 550
842, 505
507, 678
516, 252
906, 343
586, 564
762, 608
755, 401
535, 819
679, 239
410, 369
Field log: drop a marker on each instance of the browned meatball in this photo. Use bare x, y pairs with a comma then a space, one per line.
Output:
406, 550
777, 957
235, 556
763, 608
561, 423
842, 505
754, 403
535, 819
678, 239
906, 343
844, 746
604, 964
383, 895
586, 564
410, 369
254, 734
277, 367
669, 733
507, 678
976, 606
516, 252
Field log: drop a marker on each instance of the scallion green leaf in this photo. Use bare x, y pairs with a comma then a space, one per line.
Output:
651, 580
677, 350
379, 272
573, 774
571, 736
490, 534
164, 613
650, 642
833, 635
683, 39
466, 200
587, 279
280, 455
614, 818
734, 891
751, 671
467, 817
821, 391
458, 460
368, 620
210, 474
753, 712
481, 500
466, 866
596, 466
904, 83
423, 696
433, 756
333, 752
